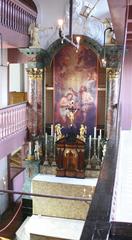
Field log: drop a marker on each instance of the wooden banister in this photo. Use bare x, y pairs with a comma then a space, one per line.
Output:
16, 16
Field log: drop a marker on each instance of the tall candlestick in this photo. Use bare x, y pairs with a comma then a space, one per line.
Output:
98, 145
100, 133
89, 152
90, 142
45, 138
52, 130
98, 152
94, 132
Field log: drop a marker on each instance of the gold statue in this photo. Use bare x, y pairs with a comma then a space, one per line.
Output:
58, 131
83, 131
71, 117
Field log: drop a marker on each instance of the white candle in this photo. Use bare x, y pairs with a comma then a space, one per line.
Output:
100, 133
94, 132
29, 148
45, 138
52, 130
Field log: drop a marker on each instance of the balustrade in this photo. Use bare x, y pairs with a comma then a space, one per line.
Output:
16, 16
12, 120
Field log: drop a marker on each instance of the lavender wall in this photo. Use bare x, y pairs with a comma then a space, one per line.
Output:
3, 185
126, 91
17, 184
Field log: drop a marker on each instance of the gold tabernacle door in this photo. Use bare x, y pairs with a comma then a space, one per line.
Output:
70, 158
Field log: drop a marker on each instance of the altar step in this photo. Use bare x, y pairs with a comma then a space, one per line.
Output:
49, 228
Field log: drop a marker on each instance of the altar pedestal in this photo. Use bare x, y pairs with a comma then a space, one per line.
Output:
60, 186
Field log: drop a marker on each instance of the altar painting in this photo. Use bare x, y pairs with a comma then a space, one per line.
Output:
75, 82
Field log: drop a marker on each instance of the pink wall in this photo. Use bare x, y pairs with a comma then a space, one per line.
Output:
17, 184
126, 91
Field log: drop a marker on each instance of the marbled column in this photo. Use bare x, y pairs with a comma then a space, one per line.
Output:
113, 77
35, 90
40, 105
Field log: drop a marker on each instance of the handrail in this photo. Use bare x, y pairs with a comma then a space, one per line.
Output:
13, 119
16, 16
88, 200
13, 105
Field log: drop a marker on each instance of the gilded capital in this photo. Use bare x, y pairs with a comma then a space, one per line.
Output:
35, 73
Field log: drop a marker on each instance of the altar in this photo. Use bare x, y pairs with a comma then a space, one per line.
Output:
65, 187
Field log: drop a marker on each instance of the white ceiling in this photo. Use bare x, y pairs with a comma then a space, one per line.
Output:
49, 11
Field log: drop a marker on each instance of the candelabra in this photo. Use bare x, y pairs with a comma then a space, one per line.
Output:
94, 150
63, 37
104, 62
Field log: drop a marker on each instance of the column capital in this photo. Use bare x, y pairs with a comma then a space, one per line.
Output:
38, 57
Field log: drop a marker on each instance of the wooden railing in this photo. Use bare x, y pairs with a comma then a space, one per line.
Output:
13, 119
98, 225
16, 16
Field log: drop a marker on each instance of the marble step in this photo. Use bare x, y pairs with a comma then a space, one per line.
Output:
49, 228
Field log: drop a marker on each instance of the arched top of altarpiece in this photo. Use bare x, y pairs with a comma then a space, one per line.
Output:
42, 58
56, 46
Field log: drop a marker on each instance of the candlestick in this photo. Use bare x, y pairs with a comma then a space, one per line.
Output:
99, 138
90, 142
94, 141
52, 130
45, 138
98, 146
94, 132
100, 133
54, 162
89, 153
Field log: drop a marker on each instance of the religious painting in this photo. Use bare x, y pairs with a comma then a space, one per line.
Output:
75, 82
